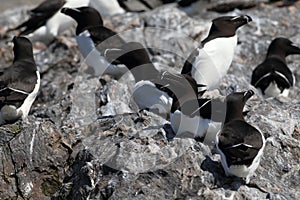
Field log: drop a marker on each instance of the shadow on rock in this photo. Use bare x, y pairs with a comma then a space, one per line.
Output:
221, 180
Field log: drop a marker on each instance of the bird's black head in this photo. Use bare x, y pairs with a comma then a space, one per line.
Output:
239, 97
22, 48
235, 103
282, 47
226, 26
84, 16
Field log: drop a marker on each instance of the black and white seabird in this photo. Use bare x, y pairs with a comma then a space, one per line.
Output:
240, 144
93, 39
19, 83
209, 63
154, 90
46, 22
273, 77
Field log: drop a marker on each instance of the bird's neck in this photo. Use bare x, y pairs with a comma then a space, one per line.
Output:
277, 54
214, 33
24, 58
143, 72
234, 114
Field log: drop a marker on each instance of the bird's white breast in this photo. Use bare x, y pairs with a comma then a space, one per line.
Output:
26, 105
85, 43
146, 95
107, 8
273, 91
61, 22
213, 61
185, 126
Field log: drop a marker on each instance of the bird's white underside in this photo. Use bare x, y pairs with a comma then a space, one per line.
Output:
108, 8
213, 61
185, 126
93, 58
146, 95
57, 24
25, 107
273, 91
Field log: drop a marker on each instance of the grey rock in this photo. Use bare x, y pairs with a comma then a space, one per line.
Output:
86, 139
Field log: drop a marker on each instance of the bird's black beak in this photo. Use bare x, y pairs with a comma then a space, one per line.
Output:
248, 94
241, 20
294, 49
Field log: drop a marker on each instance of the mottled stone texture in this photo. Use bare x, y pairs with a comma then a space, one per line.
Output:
85, 138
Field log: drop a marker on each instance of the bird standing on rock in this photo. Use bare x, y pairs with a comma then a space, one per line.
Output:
93, 39
19, 83
154, 90
46, 22
97, 42
209, 63
240, 144
273, 77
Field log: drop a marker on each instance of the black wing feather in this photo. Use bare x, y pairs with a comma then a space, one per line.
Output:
48, 6
39, 16
19, 78
240, 132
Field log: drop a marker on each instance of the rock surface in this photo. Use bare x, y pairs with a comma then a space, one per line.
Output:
85, 138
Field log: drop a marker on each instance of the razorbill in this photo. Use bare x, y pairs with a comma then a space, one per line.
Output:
209, 63
46, 22
20, 83
93, 39
154, 90
239, 144
272, 76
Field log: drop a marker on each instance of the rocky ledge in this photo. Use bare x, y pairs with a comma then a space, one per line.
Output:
85, 139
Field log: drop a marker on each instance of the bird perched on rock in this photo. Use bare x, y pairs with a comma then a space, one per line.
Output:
240, 144
209, 63
93, 39
46, 22
19, 83
272, 76
154, 90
